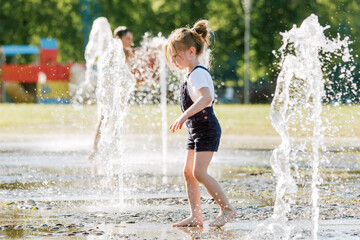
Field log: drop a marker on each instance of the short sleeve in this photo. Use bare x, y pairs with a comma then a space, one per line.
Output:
198, 79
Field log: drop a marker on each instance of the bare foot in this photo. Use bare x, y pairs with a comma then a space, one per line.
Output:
225, 216
190, 222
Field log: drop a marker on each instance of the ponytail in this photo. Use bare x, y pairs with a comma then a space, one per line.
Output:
184, 38
202, 28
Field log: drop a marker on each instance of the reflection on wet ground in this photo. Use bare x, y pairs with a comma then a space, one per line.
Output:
47, 189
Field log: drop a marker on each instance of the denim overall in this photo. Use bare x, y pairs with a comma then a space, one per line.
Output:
204, 130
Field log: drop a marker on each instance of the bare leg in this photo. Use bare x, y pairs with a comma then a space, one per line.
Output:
193, 192
227, 212
96, 139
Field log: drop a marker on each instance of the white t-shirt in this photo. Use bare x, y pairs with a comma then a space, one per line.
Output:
200, 78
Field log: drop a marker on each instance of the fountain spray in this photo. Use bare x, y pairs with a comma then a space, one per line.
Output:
100, 36
115, 85
296, 115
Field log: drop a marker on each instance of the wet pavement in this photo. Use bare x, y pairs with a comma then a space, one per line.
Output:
48, 189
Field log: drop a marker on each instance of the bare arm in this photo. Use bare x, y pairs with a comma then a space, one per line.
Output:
200, 104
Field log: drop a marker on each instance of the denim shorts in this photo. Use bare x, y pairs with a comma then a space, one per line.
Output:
204, 131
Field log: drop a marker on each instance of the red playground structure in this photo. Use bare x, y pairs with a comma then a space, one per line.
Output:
47, 82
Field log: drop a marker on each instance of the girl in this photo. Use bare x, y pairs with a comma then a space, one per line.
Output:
126, 37
183, 49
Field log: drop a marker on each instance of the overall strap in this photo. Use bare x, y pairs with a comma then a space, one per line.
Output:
199, 66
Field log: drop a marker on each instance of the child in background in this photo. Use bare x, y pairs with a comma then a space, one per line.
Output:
182, 50
126, 37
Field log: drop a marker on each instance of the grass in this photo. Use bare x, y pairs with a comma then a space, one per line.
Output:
235, 119
39, 118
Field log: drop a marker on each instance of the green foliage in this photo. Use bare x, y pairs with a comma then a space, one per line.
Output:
26, 21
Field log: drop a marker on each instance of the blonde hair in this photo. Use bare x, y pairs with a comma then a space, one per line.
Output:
182, 39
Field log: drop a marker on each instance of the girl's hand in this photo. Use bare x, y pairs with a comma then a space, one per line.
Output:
177, 124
